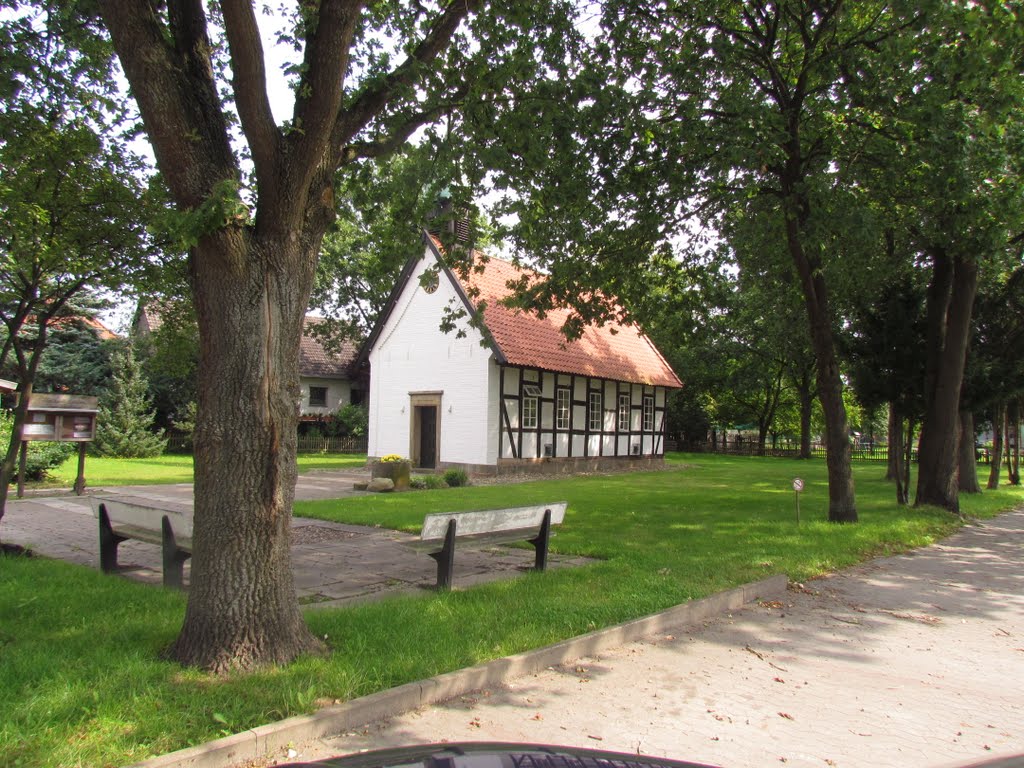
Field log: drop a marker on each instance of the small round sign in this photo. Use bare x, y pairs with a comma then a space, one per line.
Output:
798, 484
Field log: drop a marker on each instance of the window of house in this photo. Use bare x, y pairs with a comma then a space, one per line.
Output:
562, 406
648, 413
623, 413
529, 413
318, 397
594, 412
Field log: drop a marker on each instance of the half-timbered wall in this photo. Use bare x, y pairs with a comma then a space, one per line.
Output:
554, 415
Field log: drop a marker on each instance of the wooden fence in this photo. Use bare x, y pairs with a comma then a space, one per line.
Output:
786, 449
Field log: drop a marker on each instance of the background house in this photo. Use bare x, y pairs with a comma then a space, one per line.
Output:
512, 393
326, 377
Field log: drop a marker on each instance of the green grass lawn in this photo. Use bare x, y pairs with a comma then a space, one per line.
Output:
79, 651
169, 468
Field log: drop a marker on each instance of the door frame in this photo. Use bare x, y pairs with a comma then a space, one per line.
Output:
419, 400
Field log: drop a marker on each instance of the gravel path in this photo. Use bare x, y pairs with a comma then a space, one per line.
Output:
914, 660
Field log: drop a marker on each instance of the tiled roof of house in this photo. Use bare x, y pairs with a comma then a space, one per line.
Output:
612, 351
314, 360
94, 324
317, 362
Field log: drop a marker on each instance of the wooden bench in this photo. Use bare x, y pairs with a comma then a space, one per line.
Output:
163, 522
490, 526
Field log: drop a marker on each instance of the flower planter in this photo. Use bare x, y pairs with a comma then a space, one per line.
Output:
396, 471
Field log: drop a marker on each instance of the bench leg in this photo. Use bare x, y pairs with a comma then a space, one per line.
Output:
446, 558
540, 543
174, 558
108, 542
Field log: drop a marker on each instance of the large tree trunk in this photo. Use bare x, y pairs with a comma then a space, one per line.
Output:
842, 506
950, 300
996, 459
242, 610
967, 472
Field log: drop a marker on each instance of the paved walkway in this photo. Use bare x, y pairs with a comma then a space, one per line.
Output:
332, 563
915, 660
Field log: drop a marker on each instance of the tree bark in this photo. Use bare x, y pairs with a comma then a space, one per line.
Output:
998, 432
967, 472
950, 300
242, 610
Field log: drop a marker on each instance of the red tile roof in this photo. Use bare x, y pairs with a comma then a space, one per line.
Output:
314, 360
612, 351
317, 362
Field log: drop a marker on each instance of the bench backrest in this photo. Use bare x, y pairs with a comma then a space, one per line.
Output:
491, 520
146, 513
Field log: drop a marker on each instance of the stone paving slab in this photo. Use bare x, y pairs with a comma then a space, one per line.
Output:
915, 660
332, 563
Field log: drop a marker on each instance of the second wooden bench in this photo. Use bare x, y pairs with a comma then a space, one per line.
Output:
484, 527
162, 522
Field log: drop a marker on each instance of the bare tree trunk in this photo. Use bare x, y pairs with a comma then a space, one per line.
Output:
895, 438
27, 369
950, 299
998, 432
1013, 442
242, 610
908, 459
967, 472
896, 457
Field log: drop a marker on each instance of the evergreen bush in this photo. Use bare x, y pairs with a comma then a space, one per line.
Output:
124, 425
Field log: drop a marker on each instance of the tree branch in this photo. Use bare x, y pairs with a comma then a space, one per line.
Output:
372, 101
319, 96
249, 79
175, 91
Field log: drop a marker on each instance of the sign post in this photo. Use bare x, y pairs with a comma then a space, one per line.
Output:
798, 486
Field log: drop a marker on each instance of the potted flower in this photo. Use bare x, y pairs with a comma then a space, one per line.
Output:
394, 467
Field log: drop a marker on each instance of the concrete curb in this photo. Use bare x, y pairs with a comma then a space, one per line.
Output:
262, 741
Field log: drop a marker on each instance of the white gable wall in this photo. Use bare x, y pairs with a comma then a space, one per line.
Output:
412, 355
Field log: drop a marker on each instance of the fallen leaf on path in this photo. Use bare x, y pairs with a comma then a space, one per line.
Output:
846, 620
923, 618
786, 715
778, 680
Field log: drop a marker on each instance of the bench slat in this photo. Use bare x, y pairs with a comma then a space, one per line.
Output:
490, 521
141, 512
476, 539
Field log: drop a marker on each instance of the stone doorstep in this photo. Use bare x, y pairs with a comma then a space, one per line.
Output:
259, 743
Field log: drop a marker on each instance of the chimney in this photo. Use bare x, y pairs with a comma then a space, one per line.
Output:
452, 226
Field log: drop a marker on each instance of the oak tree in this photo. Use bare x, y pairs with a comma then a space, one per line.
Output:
367, 77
